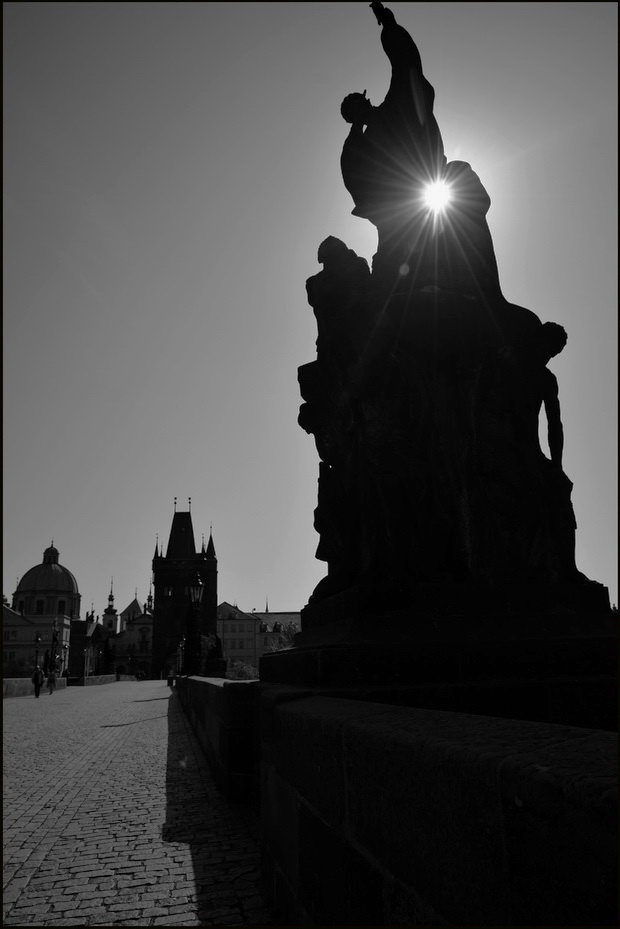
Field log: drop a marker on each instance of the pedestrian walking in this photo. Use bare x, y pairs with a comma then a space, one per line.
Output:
51, 682
37, 679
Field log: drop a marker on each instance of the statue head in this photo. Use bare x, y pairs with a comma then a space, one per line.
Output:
332, 250
553, 338
356, 109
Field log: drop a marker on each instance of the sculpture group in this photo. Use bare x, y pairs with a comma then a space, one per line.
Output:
425, 397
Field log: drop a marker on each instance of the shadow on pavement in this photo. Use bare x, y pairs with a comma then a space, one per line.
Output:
223, 836
135, 722
151, 699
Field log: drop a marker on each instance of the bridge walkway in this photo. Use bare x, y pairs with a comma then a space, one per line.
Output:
112, 818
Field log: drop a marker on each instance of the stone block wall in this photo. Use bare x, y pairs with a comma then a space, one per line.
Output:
93, 679
224, 716
23, 686
375, 814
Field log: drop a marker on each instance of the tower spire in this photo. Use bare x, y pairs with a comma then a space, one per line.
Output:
210, 553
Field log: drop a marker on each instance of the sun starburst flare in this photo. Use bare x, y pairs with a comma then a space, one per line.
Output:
437, 196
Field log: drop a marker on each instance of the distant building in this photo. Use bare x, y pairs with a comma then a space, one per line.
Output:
173, 575
19, 646
92, 647
135, 609
247, 636
47, 603
133, 646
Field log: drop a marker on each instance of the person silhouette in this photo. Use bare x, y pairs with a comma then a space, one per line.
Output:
37, 679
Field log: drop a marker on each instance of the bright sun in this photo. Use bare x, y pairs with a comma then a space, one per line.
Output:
436, 196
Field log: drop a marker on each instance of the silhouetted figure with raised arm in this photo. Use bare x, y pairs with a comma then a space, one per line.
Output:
395, 149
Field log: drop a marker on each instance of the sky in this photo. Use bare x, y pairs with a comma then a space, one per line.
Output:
170, 170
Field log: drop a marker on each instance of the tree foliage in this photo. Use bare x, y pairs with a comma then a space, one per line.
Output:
241, 671
285, 638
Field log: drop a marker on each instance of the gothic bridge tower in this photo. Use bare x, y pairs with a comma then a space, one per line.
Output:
173, 575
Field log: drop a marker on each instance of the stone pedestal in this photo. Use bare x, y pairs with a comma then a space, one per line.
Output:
541, 653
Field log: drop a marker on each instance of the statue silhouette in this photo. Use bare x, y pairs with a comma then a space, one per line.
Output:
395, 149
425, 397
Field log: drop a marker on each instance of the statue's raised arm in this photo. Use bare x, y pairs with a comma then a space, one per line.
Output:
409, 90
397, 43
394, 150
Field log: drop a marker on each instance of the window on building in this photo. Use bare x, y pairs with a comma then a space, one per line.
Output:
250, 628
6, 637
40, 606
13, 633
20, 606
233, 627
61, 607
168, 591
266, 640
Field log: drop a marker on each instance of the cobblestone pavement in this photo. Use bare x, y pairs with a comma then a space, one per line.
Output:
112, 818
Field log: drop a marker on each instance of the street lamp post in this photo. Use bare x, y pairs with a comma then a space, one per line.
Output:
53, 655
181, 658
65, 656
37, 639
196, 591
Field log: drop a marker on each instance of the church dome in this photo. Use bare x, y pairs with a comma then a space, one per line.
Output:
48, 576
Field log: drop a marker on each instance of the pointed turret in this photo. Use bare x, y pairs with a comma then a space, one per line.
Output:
110, 617
210, 553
